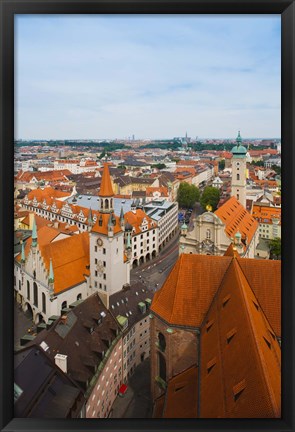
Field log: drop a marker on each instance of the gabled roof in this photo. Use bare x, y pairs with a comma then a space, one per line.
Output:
103, 227
47, 192
70, 257
240, 358
106, 188
239, 354
188, 291
236, 218
136, 219
74, 339
266, 214
193, 281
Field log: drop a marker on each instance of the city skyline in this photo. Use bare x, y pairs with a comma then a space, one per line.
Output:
154, 77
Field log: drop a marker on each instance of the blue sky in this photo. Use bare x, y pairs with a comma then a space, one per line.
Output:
112, 76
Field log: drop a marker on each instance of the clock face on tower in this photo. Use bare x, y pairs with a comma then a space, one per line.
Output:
99, 242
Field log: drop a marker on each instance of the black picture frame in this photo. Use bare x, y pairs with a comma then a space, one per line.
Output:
8, 9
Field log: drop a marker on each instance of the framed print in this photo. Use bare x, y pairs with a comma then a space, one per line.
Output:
146, 188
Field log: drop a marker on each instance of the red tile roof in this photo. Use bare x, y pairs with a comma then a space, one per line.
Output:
236, 218
106, 188
180, 301
70, 256
266, 214
240, 357
47, 192
248, 379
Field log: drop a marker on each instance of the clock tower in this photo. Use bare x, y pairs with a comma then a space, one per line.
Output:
109, 265
239, 167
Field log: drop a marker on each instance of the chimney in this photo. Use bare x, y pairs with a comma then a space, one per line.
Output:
63, 319
61, 362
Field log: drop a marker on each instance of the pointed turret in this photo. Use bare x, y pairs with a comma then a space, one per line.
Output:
51, 280
133, 206
122, 222
239, 139
106, 192
23, 256
34, 233
90, 220
51, 274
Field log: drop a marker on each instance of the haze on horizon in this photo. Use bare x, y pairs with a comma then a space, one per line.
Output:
154, 77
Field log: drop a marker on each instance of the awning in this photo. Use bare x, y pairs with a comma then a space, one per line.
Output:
123, 389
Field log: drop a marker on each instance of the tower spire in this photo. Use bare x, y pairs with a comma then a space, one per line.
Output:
239, 139
51, 274
106, 188
23, 256
90, 219
106, 192
34, 233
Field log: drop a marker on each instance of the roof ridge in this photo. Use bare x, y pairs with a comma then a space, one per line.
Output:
179, 263
259, 354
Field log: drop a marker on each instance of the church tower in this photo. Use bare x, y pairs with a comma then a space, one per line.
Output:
238, 183
109, 265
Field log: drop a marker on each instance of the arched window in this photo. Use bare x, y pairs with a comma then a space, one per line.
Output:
79, 297
238, 176
208, 234
28, 290
35, 295
64, 305
106, 204
162, 366
161, 341
19, 285
43, 303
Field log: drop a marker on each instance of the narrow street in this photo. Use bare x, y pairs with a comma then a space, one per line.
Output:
155, 272
137, 402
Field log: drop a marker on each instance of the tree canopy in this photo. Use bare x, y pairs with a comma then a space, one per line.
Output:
159, 166
275, 246
187, 195
210, 196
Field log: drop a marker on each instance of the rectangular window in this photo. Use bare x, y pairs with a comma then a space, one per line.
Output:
104, 251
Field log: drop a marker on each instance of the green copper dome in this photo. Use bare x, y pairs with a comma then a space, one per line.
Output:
184, 226
239, 150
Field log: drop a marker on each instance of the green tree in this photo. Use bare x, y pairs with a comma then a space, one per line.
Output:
187, 195
221, 165
159, 166
275, 248
210, 196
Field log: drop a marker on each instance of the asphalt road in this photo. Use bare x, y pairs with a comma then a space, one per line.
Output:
137, 402
154, 273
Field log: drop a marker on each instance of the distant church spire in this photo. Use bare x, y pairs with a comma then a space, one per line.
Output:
239, 139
